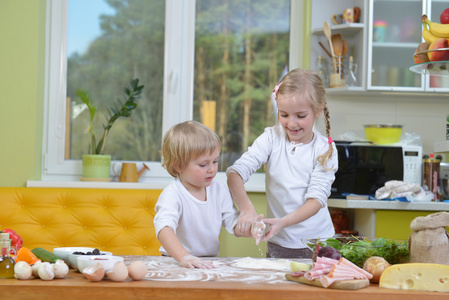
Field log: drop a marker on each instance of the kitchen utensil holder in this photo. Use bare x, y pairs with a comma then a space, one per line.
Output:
337, 78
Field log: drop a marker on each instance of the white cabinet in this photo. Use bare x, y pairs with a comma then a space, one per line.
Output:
390, 51
391, 55
382, 43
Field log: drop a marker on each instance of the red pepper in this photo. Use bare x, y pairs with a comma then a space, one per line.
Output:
16, 240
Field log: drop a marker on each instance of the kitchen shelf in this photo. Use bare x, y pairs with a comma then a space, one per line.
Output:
346, 29
343, 90
387, 205
394, 45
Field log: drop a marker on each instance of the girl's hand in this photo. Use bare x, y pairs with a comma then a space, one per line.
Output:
245, 221
257, 229
276, 225
191, 262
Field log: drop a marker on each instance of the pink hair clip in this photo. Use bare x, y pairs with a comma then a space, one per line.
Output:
276, 89
330, 140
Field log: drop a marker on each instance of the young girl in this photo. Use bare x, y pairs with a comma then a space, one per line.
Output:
191, 210
300, 169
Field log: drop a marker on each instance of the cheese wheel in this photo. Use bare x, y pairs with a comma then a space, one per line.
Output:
416, 276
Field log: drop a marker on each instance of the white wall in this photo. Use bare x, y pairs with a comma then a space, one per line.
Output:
423, 114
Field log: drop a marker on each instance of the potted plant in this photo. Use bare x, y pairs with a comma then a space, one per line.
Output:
96, 165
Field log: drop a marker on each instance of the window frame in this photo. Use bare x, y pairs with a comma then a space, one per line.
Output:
178, 86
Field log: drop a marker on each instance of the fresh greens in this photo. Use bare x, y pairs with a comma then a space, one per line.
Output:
359, 250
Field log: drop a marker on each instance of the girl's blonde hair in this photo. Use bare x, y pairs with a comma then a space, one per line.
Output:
187, 141
309, 85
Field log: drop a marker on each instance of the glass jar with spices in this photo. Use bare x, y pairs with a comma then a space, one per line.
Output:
340, 221
431, 170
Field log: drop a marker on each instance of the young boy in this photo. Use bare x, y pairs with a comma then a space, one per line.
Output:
191, 210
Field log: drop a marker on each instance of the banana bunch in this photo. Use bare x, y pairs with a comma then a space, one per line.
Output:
433, 31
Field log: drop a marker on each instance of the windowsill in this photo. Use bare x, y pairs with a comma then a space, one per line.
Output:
95, 185
255, 184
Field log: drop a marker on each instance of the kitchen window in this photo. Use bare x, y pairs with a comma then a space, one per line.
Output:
214, 61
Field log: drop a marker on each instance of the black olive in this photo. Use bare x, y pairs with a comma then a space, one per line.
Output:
96, 252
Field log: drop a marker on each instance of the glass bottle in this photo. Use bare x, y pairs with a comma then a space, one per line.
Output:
352, 69
340, 221
321, 70
7, 263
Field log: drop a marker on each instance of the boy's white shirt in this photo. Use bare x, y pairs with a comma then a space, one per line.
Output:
292, 175
197, 224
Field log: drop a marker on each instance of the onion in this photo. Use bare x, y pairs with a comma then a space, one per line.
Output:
375, 265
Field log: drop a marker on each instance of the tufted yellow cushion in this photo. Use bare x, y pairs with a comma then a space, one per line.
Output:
116, 220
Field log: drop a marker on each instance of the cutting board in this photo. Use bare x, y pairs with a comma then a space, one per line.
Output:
340, 285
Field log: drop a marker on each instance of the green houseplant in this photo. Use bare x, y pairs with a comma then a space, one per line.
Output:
96, 165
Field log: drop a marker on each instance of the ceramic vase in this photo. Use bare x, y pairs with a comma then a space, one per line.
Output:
96, 167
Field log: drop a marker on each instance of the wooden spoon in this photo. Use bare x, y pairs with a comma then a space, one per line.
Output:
337, 43
327, 33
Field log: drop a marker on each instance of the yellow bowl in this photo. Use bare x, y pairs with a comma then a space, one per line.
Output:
383, 134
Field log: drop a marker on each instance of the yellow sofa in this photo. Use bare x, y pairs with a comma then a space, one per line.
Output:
115, 220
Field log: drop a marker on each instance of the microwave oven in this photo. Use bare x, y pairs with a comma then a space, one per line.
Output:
363, 168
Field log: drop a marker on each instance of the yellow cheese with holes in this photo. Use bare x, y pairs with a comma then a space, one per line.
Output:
416, 276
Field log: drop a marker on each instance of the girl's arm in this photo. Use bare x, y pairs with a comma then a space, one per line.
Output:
247, 211
302, 213
173, 246
241, 170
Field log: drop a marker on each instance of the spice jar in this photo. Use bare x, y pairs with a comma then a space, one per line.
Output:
340, 221
431, 170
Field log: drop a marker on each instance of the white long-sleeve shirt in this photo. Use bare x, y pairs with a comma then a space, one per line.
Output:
293, 175
197, 224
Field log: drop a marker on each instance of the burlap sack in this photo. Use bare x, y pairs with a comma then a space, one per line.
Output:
429, 241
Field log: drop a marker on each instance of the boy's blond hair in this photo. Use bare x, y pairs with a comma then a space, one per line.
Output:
187, 141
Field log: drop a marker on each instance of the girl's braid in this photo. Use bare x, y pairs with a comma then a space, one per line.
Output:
327, 120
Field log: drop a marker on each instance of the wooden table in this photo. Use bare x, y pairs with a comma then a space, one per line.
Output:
231, 279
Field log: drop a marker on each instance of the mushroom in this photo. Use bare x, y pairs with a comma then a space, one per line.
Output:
60, 268
35, 268
45, 271
22, 270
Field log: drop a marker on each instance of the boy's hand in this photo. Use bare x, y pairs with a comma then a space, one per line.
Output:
191, 262
257, 229
245, 220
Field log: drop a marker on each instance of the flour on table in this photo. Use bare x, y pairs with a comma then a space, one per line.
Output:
227, 269
272, 264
